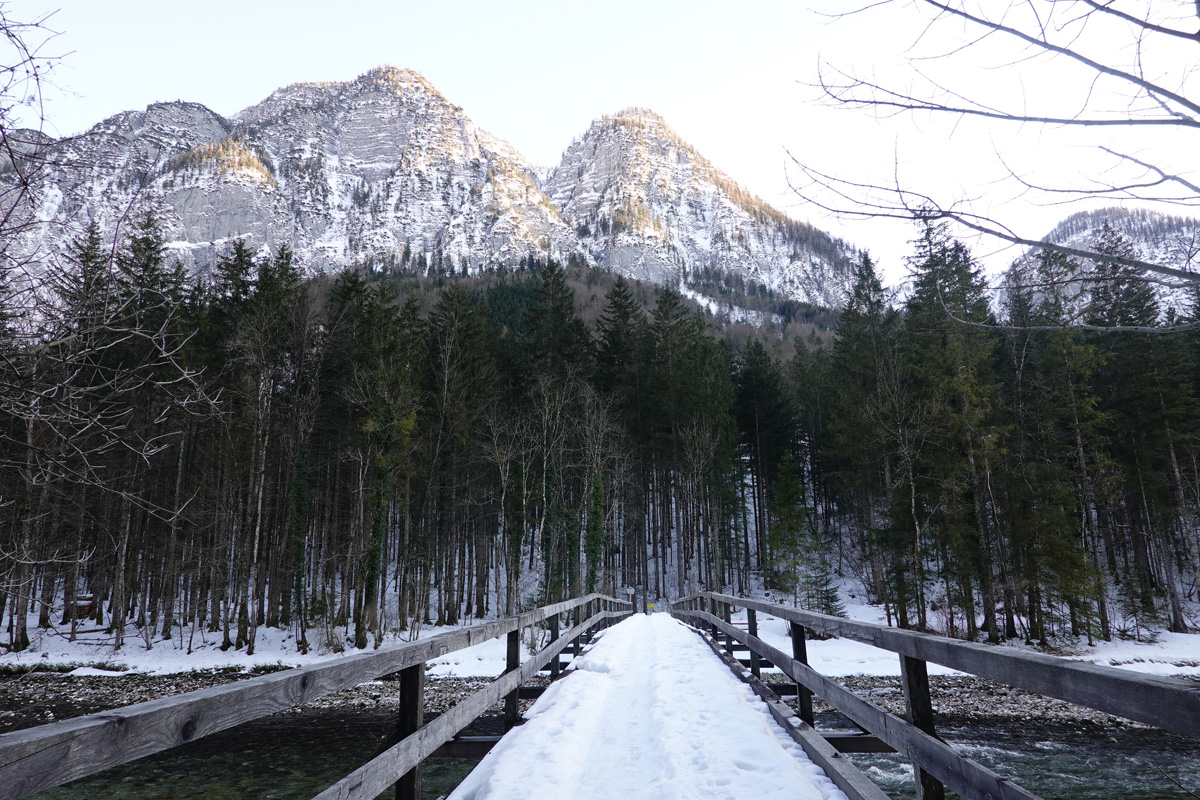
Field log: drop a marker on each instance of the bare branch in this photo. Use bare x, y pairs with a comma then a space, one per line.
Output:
911, 205
1146, 25
883, 98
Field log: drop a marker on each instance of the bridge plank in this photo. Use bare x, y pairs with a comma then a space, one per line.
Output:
1168, 703
50, 755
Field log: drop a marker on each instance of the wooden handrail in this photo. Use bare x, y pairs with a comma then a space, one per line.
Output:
1172, 704
374, 777
50, 755
965, 776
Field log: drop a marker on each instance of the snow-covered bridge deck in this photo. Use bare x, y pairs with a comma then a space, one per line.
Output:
649, 712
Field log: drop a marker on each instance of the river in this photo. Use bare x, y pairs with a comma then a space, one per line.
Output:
289, 755
297, 754
1058, 762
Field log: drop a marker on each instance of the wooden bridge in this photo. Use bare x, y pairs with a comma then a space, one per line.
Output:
40, 758
1169, 703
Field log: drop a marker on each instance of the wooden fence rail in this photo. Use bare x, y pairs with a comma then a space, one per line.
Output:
1168, 703
50, 755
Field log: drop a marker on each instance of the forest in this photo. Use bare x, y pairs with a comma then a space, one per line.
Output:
354, 456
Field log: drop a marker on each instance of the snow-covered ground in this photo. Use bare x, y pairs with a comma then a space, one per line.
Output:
53, 648
1169, 654
273, 648
626, 723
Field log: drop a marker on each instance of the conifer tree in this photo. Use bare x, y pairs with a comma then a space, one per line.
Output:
951, 361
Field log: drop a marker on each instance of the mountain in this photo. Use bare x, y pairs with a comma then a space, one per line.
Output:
645, 203
386, 162
384, 171
340, 172
1157, 238
103, 174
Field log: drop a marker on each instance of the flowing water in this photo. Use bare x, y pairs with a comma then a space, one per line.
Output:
290, 755
296, 755
1062, 763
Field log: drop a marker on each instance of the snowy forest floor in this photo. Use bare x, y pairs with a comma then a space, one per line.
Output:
92, 653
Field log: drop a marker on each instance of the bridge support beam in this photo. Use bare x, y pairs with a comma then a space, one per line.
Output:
752, 629
579, 617
918, 708
412, 717
512, 708
800, 653
555, 665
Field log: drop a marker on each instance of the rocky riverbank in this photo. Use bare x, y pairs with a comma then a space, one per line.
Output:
35, 697
966, 700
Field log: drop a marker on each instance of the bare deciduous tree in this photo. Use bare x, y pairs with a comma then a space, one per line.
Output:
1123, 64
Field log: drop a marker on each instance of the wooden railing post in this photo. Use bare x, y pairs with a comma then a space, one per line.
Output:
555, 665
712, 609
727, 617
412, 717
578, 611
512, 708
919, 710
800, 653
752, 629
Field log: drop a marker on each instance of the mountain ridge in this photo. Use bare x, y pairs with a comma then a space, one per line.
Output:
1165, 239
385, 170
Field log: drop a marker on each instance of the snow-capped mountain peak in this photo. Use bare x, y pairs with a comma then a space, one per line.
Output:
646, 203
384, 170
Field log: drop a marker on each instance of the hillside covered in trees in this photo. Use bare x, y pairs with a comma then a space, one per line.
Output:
356, 455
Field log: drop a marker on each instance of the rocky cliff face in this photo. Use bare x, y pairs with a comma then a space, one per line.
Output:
385, 163
109, 172
645, 203
385, 171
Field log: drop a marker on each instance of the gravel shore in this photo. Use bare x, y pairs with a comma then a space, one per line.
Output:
30, 698
966, 700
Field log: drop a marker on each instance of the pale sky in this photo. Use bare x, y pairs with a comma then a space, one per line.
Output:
731, 79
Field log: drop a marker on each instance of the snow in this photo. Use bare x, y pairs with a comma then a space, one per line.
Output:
486, 659
273, 647
735, 313
92, 672
648, 712
834, 657
1169, 654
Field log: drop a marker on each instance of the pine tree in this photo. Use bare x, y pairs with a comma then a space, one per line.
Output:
766, 422
1146, 386
951, 360
596, 539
